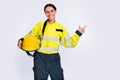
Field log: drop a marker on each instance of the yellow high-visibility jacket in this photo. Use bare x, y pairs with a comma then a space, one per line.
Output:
54, 35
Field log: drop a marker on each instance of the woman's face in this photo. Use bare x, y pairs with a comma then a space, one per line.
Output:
50, 13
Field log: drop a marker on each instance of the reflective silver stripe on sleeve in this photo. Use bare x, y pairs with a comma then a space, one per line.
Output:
64, 40
30, 33
50, 39
70, 43
49, 49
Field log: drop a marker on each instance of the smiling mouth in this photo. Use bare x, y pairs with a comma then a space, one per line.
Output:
50, 16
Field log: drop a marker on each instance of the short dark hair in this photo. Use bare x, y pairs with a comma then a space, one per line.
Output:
51, 5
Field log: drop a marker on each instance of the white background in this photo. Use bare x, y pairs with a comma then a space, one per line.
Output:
96, 57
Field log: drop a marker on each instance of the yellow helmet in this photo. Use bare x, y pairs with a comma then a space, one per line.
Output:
30, 43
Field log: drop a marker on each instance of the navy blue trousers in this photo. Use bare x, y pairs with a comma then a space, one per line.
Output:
47, 64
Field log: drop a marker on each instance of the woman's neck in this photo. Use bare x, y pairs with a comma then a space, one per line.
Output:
51, 21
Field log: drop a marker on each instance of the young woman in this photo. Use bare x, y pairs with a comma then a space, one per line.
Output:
46, 58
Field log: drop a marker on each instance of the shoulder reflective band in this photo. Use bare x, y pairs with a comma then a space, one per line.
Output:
69, 41
49, 49
50, 39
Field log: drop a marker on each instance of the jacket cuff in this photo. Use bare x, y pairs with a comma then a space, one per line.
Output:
21, 39
78, 33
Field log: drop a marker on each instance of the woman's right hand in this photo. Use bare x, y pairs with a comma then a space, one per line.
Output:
20, 43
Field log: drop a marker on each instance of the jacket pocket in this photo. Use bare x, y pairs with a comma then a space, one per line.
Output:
59, 30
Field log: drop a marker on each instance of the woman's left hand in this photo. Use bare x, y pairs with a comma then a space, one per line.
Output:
82, 29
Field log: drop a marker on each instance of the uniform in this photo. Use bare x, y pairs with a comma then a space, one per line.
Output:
46, 58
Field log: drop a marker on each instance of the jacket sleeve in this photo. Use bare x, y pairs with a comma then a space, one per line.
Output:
70, 41
36, 31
